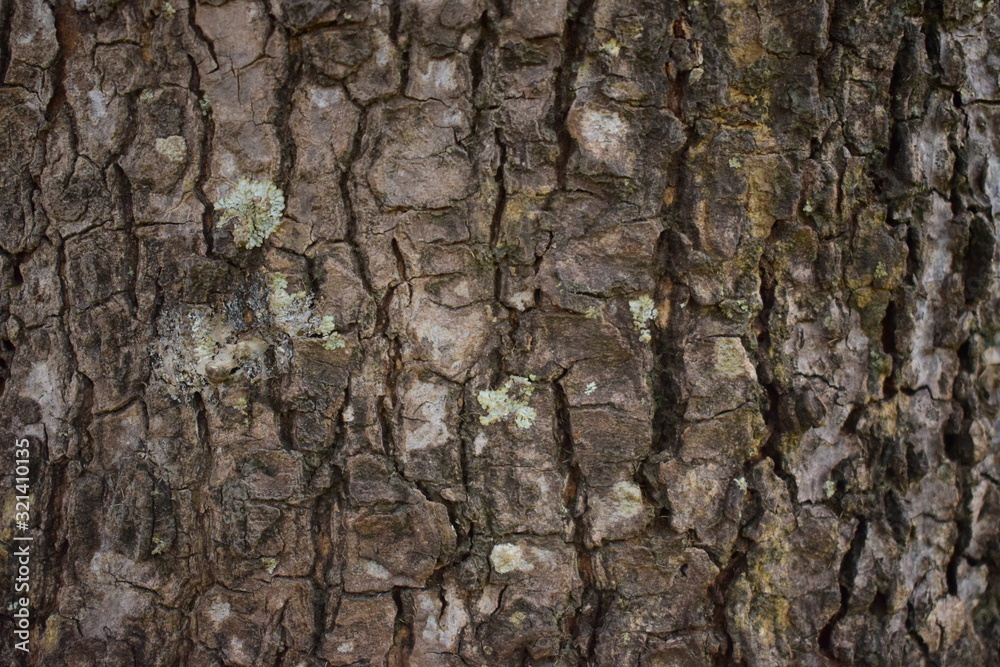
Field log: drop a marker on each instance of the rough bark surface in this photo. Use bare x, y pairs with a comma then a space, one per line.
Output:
606, 332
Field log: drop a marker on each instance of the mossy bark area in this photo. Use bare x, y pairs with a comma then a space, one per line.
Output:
610, 332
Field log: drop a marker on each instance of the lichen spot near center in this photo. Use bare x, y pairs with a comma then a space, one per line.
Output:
174, 148
602, 133
510, 400
507, 558
643, 312
627, 498
257, 207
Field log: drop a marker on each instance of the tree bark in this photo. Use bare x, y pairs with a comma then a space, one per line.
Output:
502, 332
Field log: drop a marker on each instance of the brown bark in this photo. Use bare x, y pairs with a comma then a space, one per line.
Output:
605, 332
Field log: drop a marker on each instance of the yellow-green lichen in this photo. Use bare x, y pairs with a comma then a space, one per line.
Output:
509, 400
188, 343
643, 312
256, 206
159, 546
507, 558
293, 314
174, 148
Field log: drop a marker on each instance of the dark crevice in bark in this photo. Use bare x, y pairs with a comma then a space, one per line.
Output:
202, 503
846, 577
890, 325
772, 448
477, 60
322, 537
67, 33
499, 259
963, 520
387, 403
914, 633
204, 160
960, 448
896, 516
122, 189
719, 594
53, 524
575, 35
200, 35
350, 217
7, 350
668, 415
583, 624
977, 262
395, 18
403, 631
282, 126
16, 276
496, 223
6, 16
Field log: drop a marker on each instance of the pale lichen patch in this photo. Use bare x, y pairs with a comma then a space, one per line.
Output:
219, 611
376, 570
612, 47
293, 314
507, 558
643, 312
257, 207
602, 134
627, 498
159, 546
188, 344
174, 148
731, 358
509, 400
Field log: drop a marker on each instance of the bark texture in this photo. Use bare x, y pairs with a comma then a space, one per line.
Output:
605, 332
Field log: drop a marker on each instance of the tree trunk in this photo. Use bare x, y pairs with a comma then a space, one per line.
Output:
501, 332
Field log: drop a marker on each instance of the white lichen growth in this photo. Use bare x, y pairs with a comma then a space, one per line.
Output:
196, 349
293, 314
270, 564
591, 388
627, 499
741, 482
829, 488
509, 400
159, 546
612, 47
507, 558
643, 312
168, 10
332, 340
174, 148
257, 207
188, 344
